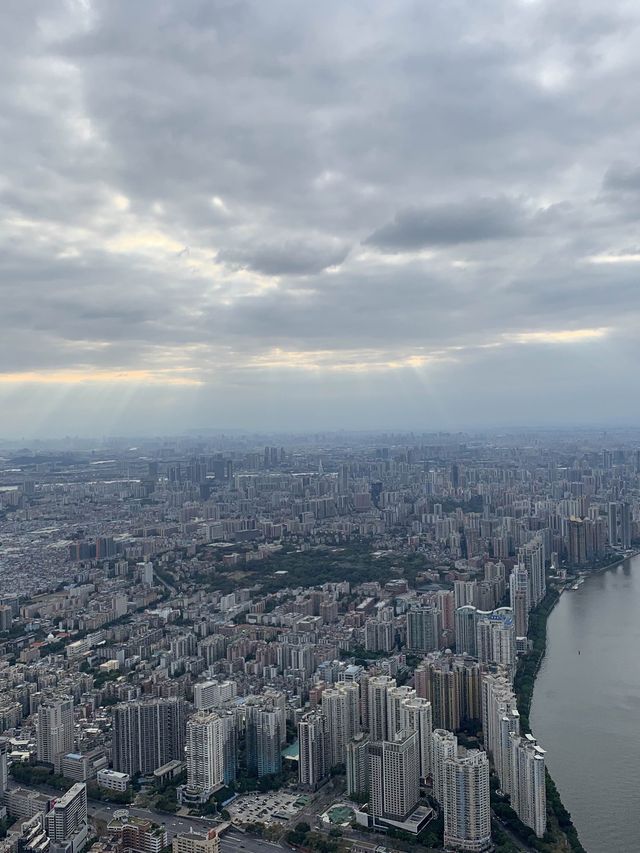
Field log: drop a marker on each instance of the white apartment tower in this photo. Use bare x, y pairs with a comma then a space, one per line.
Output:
416, 716
341, 706
528, 784
444, 745
55, 730
205, 748
467, 808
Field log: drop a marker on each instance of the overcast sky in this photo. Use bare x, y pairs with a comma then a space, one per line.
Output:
347, 214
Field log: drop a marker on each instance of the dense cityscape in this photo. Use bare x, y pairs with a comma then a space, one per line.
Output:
323, 642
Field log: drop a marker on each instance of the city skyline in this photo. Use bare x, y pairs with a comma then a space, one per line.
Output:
227, 215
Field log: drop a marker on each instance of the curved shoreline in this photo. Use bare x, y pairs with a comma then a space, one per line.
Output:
524, 684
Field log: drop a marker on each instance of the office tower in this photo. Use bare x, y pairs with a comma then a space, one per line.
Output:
212, 694
496, 638
519, 599
313, 739
619, 525
378, 636
264, 740
205, 749
500, 719
532, 557
68, 817
55, 730
148, 734
466, 630
377, 705
423, 629
416, 717
196, 842
357, 761
444, 745
467, 809
394, 786
395, 697
528, 784
4, 748
341, 706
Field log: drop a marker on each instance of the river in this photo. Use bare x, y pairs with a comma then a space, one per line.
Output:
586, 707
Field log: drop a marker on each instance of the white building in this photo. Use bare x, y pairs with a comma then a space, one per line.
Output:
444, 745
528, 784
205, 747
416, 715
111, 780
212, 694
377, 688
341, 706
467, 808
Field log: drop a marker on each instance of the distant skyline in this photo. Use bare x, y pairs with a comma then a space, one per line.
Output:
292, 216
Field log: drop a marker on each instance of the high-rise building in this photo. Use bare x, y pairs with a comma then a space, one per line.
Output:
519, 599
416, 716
263, 730
496, 638
619, 525
55, 730
313, 739
205, 752
395, 697
357, 761
577, 541
68, 817
444, 745
500, 719
423, 629
212, 694
528, 783
341, 706
467, 809
532, 556
4, 748
378, 635
466, 630
148, 734
394, 786
377, 688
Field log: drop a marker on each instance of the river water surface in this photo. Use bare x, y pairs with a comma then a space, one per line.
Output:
586, 707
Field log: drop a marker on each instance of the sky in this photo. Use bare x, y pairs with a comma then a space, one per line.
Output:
289, 215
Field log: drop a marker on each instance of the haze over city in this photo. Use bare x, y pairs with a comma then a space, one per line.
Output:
300, 216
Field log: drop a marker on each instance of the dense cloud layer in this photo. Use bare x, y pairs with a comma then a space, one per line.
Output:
349, 213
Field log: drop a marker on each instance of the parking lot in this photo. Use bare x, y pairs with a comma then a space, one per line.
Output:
266, 808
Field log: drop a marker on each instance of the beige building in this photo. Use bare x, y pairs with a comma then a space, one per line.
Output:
196, 842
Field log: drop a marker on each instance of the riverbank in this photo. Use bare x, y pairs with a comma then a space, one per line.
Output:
559, 821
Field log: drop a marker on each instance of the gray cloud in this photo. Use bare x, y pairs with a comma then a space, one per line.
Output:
450, 223
287, 258
282, 142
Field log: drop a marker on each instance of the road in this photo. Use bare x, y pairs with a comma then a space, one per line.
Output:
230, 842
